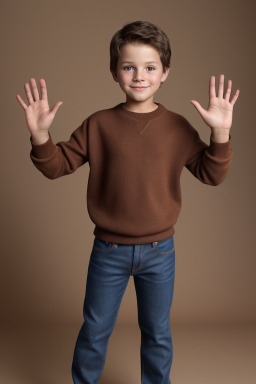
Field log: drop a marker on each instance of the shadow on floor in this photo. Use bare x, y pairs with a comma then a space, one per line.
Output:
202, 354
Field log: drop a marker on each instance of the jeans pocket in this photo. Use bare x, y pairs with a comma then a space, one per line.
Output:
165, 247
102, 246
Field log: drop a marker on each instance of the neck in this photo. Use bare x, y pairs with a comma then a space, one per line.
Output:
139, 107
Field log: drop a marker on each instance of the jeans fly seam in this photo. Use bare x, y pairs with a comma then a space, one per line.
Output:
141, 263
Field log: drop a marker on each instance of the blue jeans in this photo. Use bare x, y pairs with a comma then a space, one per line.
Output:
152, 266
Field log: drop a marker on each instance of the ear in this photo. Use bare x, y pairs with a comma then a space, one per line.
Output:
114, 76
165, 74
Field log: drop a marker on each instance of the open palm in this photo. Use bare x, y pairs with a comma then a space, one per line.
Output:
38, 114
219, 114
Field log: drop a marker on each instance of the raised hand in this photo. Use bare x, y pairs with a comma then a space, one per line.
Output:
219, 114
38, 114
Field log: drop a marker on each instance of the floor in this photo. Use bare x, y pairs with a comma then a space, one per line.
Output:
202, 355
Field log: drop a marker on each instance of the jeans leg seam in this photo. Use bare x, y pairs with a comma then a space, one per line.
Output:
142, 368
106, 344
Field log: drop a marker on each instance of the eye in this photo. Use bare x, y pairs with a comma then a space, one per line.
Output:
127, 68
151, 69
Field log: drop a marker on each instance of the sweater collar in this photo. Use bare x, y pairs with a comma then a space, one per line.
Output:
140, 116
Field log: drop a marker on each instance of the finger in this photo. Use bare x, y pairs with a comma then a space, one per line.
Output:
198, 107
235, 97
56, 107
212, 87
221, 86
24, 105
228, 92
34, 88
43, 89
28, 93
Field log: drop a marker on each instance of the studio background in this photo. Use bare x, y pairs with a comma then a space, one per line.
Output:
46, 232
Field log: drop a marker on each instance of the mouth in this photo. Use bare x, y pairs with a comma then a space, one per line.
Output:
139, 88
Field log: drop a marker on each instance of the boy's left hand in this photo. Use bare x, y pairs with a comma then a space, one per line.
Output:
218, 116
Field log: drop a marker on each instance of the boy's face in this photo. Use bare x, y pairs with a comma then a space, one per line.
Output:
139, 73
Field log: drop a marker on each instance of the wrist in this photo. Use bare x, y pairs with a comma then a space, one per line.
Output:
220, 137
39, 138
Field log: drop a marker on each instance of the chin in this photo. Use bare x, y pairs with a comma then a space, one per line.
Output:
140, 97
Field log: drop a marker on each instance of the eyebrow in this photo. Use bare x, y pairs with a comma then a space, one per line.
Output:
147, 62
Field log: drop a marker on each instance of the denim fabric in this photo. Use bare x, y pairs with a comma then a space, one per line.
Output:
152, 266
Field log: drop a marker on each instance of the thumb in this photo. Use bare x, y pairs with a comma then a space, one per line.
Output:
56, 107
198, 107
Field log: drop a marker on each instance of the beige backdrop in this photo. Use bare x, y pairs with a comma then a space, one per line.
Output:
46, 231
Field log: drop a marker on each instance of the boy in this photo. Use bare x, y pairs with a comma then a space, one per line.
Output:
136, 152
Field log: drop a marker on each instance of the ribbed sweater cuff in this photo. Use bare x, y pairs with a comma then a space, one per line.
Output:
42, 151
220, 149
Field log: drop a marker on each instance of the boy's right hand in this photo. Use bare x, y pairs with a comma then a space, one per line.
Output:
38, 114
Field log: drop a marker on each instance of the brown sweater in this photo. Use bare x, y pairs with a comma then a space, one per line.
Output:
135, 160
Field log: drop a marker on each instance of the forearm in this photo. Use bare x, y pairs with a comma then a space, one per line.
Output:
210, 164
62, 158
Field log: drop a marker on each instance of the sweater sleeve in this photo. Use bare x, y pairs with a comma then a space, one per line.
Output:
209, 163
62, 158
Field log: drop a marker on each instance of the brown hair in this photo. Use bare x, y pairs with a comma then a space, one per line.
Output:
141, 32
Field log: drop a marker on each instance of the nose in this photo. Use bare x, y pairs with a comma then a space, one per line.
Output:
138, 75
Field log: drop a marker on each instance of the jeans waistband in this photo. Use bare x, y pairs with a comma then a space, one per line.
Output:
116, 245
